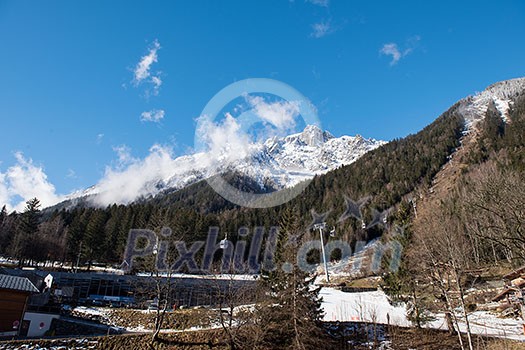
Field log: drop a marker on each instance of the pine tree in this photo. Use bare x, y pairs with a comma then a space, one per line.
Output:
3, 214
27, 230
292, 318
75, 235
492, 131
402, 285
5, 230
94, 238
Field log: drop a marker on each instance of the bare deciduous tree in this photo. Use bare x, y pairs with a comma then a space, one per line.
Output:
443, 252
494, 211
234, 310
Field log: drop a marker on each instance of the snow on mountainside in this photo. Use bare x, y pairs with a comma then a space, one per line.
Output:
316, 151
502, 94
294, 158
278, 162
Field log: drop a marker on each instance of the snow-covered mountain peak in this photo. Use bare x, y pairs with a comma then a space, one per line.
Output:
501, 95
312, 136
279, 162
506, 89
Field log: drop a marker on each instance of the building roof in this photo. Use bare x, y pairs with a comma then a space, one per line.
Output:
22, 284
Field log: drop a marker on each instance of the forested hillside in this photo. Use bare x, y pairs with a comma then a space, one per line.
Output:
386, 174
469, 225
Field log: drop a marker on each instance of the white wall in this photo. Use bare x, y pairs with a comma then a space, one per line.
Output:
36, 319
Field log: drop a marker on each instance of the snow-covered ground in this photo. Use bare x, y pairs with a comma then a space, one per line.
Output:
92, 311
375, 307
485, 323
361, 307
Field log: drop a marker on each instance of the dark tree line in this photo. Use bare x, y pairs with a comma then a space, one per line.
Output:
29, 239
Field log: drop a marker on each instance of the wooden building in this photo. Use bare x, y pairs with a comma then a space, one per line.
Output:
14, 293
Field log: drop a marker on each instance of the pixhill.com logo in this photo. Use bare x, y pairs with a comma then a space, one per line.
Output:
169, 255
228, 131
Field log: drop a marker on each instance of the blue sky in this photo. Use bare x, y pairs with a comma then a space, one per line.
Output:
71, 102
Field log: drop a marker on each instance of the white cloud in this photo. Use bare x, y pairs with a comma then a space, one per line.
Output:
24, 181
155, 115
281, 114
129, 178
223, 142
124, 156
142, 72
226, 142
321, 29
392, 49
219, 143
157, 82
71, 174
323, 3
138, 179
99, 138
